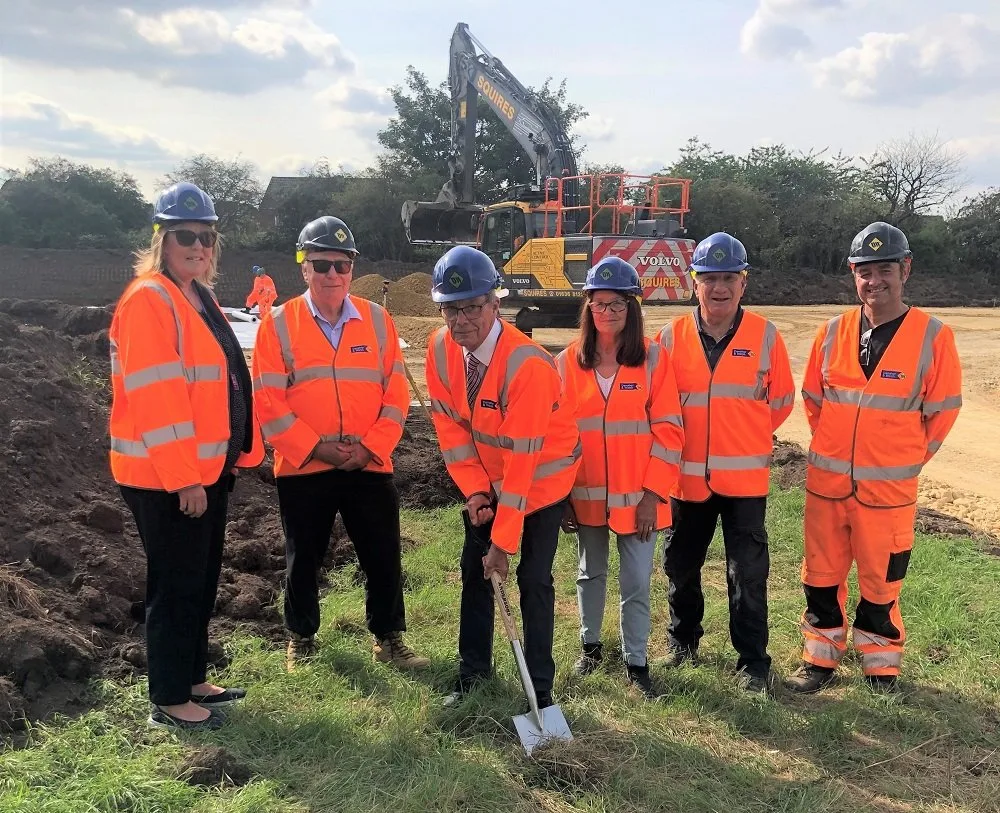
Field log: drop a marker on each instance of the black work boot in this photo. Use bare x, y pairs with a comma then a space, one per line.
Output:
882, 684
809, 679
589, 660
638, 676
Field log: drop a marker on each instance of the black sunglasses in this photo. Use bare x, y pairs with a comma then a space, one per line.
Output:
340, 266
187, 238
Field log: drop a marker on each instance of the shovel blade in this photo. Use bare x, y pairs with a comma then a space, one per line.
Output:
554, 727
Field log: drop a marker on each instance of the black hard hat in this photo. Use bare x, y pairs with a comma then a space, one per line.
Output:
325, 234
879, 242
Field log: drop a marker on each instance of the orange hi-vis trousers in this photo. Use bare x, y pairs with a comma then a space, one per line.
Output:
837, 534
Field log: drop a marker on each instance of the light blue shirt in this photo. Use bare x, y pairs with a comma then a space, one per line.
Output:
333, 332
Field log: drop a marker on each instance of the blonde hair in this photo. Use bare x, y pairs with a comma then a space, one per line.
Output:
150, 260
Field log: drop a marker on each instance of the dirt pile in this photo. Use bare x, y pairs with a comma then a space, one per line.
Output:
72, 578
410, 296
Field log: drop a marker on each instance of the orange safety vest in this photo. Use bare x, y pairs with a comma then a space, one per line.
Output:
307, 392
170, 397
631, 442
872, 437
730, 413
263, 291
519, 443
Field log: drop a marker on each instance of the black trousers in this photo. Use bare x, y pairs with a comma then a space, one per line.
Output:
538, 599
747, 566
183, 561
368, 504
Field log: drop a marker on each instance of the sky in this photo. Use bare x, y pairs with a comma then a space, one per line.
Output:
138, 85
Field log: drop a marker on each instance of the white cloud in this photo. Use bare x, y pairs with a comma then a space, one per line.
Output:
357, 97
39, 125
957, 55
594, 129
769, 34
212, 47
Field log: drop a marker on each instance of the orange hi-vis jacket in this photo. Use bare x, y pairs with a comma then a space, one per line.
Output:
519, 443
872, 437
631, 442
307, 392
730, 413
263, 291
170, 397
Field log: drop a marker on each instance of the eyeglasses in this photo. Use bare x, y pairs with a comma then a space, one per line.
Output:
340, 266
617, 306
471, 311
187, 238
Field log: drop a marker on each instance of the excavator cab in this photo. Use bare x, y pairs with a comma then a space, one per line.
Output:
504, 232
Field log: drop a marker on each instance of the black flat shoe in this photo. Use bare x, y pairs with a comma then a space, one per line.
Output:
215, 701
158, 718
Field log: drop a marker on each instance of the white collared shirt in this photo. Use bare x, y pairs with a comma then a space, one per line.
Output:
331, 331
484, 353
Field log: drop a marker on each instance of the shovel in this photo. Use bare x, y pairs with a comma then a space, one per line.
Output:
539, 725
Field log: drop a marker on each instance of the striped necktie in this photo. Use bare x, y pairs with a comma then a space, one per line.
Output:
473, 377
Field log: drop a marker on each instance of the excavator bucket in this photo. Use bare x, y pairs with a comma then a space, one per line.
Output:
441, 222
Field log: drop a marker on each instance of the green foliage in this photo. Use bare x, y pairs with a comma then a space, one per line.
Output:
976, 230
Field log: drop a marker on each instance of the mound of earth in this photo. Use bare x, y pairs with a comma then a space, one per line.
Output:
72, 573
410, 296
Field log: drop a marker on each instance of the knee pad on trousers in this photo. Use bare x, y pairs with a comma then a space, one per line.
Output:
875, 618
823, 607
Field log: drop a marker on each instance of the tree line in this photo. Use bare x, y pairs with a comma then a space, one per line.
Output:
792, 209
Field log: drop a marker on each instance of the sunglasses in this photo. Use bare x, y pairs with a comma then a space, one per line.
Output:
340, 266
187, 238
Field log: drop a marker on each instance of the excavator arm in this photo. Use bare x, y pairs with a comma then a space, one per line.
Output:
474, 71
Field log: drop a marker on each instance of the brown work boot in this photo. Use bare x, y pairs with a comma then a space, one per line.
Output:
392, 649
809, 679
301, 648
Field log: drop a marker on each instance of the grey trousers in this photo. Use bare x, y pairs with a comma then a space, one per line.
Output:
635, 572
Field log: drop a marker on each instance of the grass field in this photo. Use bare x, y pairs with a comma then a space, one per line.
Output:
351, 735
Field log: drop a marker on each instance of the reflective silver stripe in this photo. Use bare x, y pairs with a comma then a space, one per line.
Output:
865, 638
829, 463
560, 464
666, 337
692, 469
310, 374
398, 368
487, 440
278, 425
284, 340
561, 365
933, 446
934, 407
168, 434
718, 462
841, 396
592, 424
823, 650
164, 294
460, 453
394, 414
203, 372
661, 452
618, 428
206, 451
734, 391
881, 660
781, 403
445, 409
381, 339
676, 420
816, 398
276, 380
515, 501
694, 399
589, 493
652, 359
359, 374
151, 375
770, 339
625, 500
441, 359
926, 358
495, 485
129, 448
518, 357
116, 367
827, 347
836, 634
891, 403
520, 445
887, 473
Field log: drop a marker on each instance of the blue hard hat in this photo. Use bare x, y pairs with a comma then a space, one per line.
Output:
613, 274
184, 201
256, 270
464, 273
719, 252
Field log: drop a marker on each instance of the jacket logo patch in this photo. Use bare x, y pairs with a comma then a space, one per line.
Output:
742, 352
895, 375
628, 385
359, 348
487, 404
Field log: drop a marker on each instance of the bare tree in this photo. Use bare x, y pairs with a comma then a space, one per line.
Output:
233, 186
914, 175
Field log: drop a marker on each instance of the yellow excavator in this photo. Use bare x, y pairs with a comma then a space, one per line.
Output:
544, 236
